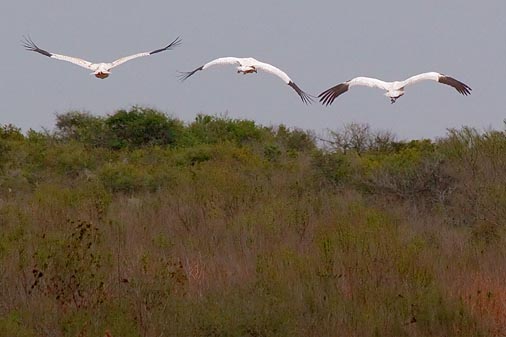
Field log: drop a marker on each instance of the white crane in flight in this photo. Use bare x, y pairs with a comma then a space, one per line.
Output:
250, 65
394, 89
100, 70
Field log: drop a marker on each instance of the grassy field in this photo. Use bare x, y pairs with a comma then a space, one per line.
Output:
141, 225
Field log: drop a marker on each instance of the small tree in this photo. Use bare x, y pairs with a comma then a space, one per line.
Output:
82, 127
359, 138
212, 129
295, 139
352, 137
10, 132
140, 126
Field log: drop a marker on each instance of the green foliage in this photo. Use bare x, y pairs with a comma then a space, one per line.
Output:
295, 140
73, 160
333, 167
12, 326
4, 153
413, 171
38, 136
140, 127
272, 152
82, 127
123, 177
194, 155
10, 132
211, 129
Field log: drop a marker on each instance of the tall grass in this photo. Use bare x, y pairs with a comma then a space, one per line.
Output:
258, 236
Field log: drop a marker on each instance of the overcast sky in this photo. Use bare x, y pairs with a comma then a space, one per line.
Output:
317, 43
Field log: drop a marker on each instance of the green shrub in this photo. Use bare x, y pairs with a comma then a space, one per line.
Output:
4, 153
194, 155
272, 152
73, 160
82, 127
142, 127
295, 140
212, 129
11, 132
332, 167
123, 177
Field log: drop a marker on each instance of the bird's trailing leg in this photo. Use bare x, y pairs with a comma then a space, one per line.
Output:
101, 75
394, 95
247, 70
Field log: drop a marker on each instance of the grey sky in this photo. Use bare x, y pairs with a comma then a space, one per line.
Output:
317, 43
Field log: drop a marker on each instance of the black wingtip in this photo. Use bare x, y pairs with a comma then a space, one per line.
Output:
28, 43
462, 88
305, 97
184, 75
329, 95
31, 46
177, 42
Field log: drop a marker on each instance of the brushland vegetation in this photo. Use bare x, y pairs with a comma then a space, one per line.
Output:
143, 225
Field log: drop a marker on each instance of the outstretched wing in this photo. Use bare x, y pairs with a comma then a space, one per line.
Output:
122, 60
30, 45
462, 88
219, 61
306, 98
329, 95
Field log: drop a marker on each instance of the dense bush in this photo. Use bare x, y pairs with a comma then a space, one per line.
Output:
211, 130
10, 132
139, 126
133, 128
82, 127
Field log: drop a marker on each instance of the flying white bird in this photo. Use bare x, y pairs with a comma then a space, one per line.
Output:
100, 70
394, 89
249, 65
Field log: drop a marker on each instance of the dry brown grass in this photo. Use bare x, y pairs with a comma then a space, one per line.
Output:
486, 298
239, 244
